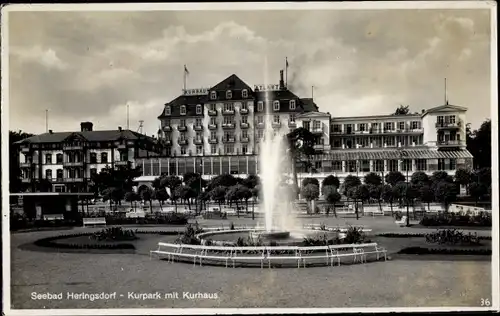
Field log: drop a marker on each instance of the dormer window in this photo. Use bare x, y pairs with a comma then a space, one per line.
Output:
199, 109
213, 95
229, 94
244, 93
276, 105
292, 104
260, 106
183, 110
167, 110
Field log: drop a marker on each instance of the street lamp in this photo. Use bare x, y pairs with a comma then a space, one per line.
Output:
404, 154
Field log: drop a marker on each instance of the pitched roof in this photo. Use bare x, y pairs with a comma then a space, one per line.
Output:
308, 105
313, 114
445, 108
420, 153
190, 101
232, 82
90, 136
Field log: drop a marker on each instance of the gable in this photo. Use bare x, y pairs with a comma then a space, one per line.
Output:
314, 115
75, 137
446, 108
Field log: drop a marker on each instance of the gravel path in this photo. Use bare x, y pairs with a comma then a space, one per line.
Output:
403, 282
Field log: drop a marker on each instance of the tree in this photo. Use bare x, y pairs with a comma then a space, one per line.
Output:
479, 144
251, 181
255, 195
350, 182
402, 110
147, 196
426, 195
387, 195
185, 193
477, 191
307, 181
376, 193
331, 197
43, 185
330, 180
15, 183
445, 192
440, 176
419, 179
225, 180
394, 177
301, 149
482, 176
218, 194
358, 193
172, 183
310, 192
463, 177
233, 194
245, 194
161, 196
131, 197
373, 179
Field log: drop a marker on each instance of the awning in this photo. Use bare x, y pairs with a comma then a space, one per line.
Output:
363, 154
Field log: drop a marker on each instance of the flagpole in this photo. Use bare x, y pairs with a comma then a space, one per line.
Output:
286, 72
185, 74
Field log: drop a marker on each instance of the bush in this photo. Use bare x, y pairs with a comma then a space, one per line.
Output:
444, 251
452, 237
114, 234
355, 235
189, 235
450, 219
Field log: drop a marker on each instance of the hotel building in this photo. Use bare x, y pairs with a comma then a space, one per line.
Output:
69, 159
217, 130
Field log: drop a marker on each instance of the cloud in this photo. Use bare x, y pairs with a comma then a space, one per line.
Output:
361, 62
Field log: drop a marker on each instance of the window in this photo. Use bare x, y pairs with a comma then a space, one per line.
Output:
348, 128
337, 128
228, 119
453, 164
260, 119
352, 166
389, 141
244, 119
213, 107
168, 111
292, 118
182, 122
415, 125
213, 135
406, 165
337, 166
48, 159
104, 157
213, 149
228, 107
364, 142
198, 136
59, 173
48, 174
402, 140
392, 165
229, 148
260, 133
421, 164
292, 104
401, 126
316, 125
377, 142
59, 158
183, 110
306, 125
244, 133
337, 143
199, 150
276, 105
229, 94
244, 106
440, 119
93, 157
441, 164
452, 119
260, 106
213, 121
378, 166
198, 122
375, 127
213, 95
362, 127
198, 109
244, 149
182, 136
276, 119
228, 135
244, 93
389, 126
317, 165
183, 150
93, 172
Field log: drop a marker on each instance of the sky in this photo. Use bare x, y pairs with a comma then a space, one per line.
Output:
87, 66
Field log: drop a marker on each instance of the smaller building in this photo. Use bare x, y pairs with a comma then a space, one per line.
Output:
68, 160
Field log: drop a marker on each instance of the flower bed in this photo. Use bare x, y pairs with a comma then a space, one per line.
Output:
444, 251
412, 235
483, 220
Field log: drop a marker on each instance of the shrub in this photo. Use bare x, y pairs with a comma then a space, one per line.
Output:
444, 251
355, 235
189, 235
451, 219
114, 234
452, 237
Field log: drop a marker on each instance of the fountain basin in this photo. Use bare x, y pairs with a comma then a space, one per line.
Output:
273, 234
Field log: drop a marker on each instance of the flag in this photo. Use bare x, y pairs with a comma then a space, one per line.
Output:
186, 71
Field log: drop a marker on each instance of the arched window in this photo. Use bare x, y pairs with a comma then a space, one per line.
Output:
229, 94
199, 109
168, 110
276, 105
183, 110
213, 95
93, 157
48, 174
104, 157
244, 93
59, 174
292, 104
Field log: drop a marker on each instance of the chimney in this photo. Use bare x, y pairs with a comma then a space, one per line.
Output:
423, 111
51, 131
120, 128
282, 82
86, 126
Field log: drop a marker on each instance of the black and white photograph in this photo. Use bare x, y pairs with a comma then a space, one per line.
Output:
266, 157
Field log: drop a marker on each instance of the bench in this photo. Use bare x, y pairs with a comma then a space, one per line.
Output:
401, 222
94, 221
52, 217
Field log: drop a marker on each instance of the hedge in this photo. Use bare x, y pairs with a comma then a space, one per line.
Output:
410, 235
444, 251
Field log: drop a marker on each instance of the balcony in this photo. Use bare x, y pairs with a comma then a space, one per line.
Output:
167, 128
390, 131
448, 125
212, 112
276, 124
198, 127
337, 132
72, 147
243, 111
182, 128
25, 149
451, 143
25, 164
244, 139
73, 163
317, 130
228, 140
73, 180
198, 141
122, 163
227, 112
261, 125
212, 126
318, 147
213, 140
182, 141
244, 125
228, 125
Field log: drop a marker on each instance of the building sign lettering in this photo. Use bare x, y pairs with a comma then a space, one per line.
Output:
197, 91
268, 87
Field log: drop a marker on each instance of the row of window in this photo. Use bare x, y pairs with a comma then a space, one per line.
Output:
448, 119
229, 149
229, 94
79, 158
244, 119
379, 141
387, 126
229, 107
